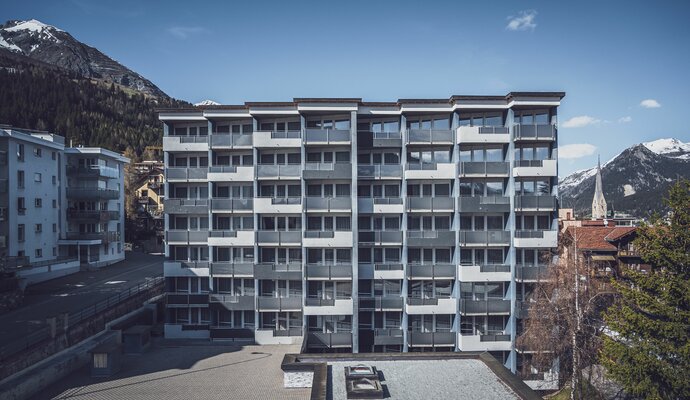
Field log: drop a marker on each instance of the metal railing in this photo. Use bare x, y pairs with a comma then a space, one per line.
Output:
93, 193
378, 171
534, 132
327, 135
231, 140
429, 136
286, 134
492, 130
484, 168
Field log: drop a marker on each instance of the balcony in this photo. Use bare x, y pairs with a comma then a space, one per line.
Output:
380, 205
380, 238
542, 239
431, 339
430, 238
231, 141
93, 171
380, 271
327, 136
535, 203
186, 300
483, 134
185, 268
327, 239
186, 206
333, 272
328, 171
230, 302
231, 238
320, 306
219, 205
378, 172
279, 172
485, 273
231, 173
273, 205
484, 169
279, 238
430, 204
186, 237
430, 171
93, 193
268, 139
484, 238
3, 185
278, 271
381, 303
535, 168
431, 271
493, 342
388, 337
319, 340
625, 253
184, 174
531, 273
367, 139
185, 143
104, 237
484, 204
328, 204
92, 215
228, 269
444, 305
278, 304
532, 133
483, 307
429, 136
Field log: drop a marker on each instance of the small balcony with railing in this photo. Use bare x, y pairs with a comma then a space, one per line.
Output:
534, 133
231, 173
318, 341
278, 205
102, 237
483, 272
484, 169
380, 205
95, 216
219, 237
431, 271
490, 306
278, 270
431, 238
429, 137
92, 193
529, 203
315, 305
93, 172
379, 171
231, 141
431, 305
186, 174
186, 237
274, 303
328, 204
531, 272
489, 341
381, 303
388, 337
228, 205
328, 272
186, 206
278, 139
379, 139
535, 168
317, 136
231, 269
185, 300
382, 270
439, 338
185, 143
318, 170
536, 238
328, 238
484, 204
430, 170
484, 238
380, 238
279, 238
483, 134
279, 172
231, 302
430, 204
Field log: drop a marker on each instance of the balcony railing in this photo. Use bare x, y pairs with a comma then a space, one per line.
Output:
286, 134
278, 271
231, 140
287, 332
327, 136
416, 338
484, 168
186, 206
492, 130
93, 215
106, 237
388, 336
329, 340
176, 299
328, 203
229, 205
93, 193
232, 269
430, 238
532, 202
184, 173
429, 136
93, 171
482, 204
186, 236
278, 171
378, 171
485, 238
279, 237
222, 332
433, 204
534, 132
431, 271
494, 338
232, 302
379, 237
524, 272
328, 272
490, 306
327, 171
381, 303
269, 303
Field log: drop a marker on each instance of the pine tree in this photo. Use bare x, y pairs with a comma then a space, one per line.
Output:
649, 353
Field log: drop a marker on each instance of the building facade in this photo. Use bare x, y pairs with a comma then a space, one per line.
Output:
50, 200
415, 225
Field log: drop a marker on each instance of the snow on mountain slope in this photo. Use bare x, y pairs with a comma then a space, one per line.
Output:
207, 103
670, 147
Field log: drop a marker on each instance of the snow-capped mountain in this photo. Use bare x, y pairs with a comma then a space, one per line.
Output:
634, 181
53, 46
207, 103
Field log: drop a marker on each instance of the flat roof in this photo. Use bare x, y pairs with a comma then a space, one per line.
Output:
97, 151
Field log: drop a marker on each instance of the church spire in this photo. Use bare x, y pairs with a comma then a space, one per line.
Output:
599, 209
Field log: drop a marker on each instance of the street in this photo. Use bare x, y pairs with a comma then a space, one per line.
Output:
72, 293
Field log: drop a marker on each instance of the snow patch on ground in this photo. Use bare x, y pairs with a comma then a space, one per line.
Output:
628, 190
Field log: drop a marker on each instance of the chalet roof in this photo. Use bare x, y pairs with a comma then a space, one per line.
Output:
601, 238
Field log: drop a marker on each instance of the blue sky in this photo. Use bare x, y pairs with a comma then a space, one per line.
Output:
608, 56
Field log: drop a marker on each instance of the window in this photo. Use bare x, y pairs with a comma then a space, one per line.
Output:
39, 253
54, 251
54, 155
38, 202
38, 152
54, 227
21, 206
54, 203
54, 179
20, 179
20, 233
38, 228
38, 177
20, 152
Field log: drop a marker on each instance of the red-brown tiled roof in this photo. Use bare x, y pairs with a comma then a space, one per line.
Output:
597, 237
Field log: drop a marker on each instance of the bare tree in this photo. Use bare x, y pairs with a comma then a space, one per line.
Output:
565, 316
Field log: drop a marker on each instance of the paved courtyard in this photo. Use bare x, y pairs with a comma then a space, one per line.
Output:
184, 372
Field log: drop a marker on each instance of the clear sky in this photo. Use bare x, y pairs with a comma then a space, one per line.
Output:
624, 65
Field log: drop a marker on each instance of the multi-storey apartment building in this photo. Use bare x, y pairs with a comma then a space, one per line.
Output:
54, 217
415, 225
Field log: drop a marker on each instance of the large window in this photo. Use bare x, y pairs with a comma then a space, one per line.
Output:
493, 118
